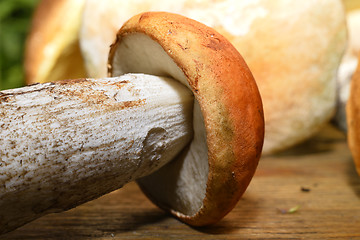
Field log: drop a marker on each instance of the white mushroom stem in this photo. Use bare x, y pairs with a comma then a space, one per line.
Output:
68, 142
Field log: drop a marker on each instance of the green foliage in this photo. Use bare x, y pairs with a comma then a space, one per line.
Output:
15, 18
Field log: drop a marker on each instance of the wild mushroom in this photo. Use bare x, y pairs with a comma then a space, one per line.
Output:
52, 48
353, 117
293, 49
67, 142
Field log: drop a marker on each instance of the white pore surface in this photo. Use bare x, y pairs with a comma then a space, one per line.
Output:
85, 139
181, 184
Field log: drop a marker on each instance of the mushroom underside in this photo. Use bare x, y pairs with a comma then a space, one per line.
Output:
181, 184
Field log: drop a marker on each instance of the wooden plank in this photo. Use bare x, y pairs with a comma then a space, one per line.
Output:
318, 177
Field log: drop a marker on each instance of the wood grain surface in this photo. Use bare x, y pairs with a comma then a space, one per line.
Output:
309, 192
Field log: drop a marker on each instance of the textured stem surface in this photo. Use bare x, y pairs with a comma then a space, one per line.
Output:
65, 143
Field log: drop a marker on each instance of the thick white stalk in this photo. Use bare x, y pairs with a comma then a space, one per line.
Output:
65, 143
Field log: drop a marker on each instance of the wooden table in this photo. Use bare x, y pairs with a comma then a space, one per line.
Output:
317, 181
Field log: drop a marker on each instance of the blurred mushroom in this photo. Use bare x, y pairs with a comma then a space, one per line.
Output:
293, 49
52, 50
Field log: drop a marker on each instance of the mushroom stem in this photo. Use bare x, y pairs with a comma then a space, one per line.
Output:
68, 142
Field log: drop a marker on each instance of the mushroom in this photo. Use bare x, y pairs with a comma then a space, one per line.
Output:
192, 143
52, 49
353, 117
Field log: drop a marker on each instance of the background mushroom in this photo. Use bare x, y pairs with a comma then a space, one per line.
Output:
68, 142
295, 65
52, 48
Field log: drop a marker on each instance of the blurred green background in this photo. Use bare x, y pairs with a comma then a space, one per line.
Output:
15, 17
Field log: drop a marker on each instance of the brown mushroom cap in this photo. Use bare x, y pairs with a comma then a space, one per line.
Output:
205, 182
353, 118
